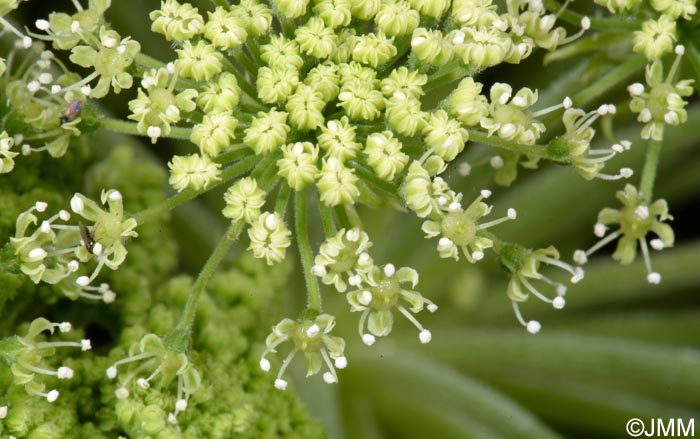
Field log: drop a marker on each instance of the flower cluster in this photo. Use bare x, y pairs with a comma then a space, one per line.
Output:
55, 251
26, 357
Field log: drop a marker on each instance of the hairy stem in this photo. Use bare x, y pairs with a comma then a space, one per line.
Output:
302, 233
651, 164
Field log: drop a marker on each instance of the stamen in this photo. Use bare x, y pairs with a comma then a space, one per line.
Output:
532, 326
329, 377
279, 382
424, 336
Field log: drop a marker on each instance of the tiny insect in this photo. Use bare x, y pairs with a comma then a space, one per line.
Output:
72, 111
88, 240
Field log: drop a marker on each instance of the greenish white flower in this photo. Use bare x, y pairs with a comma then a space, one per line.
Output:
244, 200
309, 336
395, 17
431, 47
298, 164
178, 22
193, 172
360, 100
281, 53
220, 94
373, 49
199, 62
388, 288
404, 81
343, 259
325, 81
110, 62
337, 184
7, 162
656, 37
337, 139
305, 108
636, 219
316, 39
663, 103
444, 136
404, 114
267, 131
214, 133
384, 155
269, 238
508, 118
291, 8
225, 29
276, 84
468, 104
676, 8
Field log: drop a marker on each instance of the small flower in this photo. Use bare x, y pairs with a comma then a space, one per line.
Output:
384, 291
7, 163
244, 200
200, 62
281, 53
178, 22
343, 259
256, 17
434, 9
291, 8
337, 184
402, 81
158, 107
395, 17
269, 238
151, 353
325, 81
384, 155
214, 133
305, 108
483, 46
636, 219
373, 49
360, 100
460, 228
335, 13
298, 164
404, 114
110, 62
468, 104
423, 195
337, 138
224, 29
676, 8
616, 6
365, 9
430, 46
310, 336
24, 357
508, 117
220, 94
315, 38
663, 103
444, 136
193, 172
267, 131
276, 84
524, 265
656, 37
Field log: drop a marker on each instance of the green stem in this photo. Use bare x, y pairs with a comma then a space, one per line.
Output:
446, 75
651, 164
610, 80
369, 176
168, 204
127, 127
282, 200
327, 221
342, 217
302, 232
693, 56
531, 150
188, 314
607, 23
353, 216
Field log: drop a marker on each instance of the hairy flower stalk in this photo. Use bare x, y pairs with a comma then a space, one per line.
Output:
338, 107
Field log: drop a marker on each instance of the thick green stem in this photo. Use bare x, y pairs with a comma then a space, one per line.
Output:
168, 204
651, 164
282, 200
302, 233
127, 127
607, 23
327, 221
446, 75
531, 150
188, 314
610, 80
